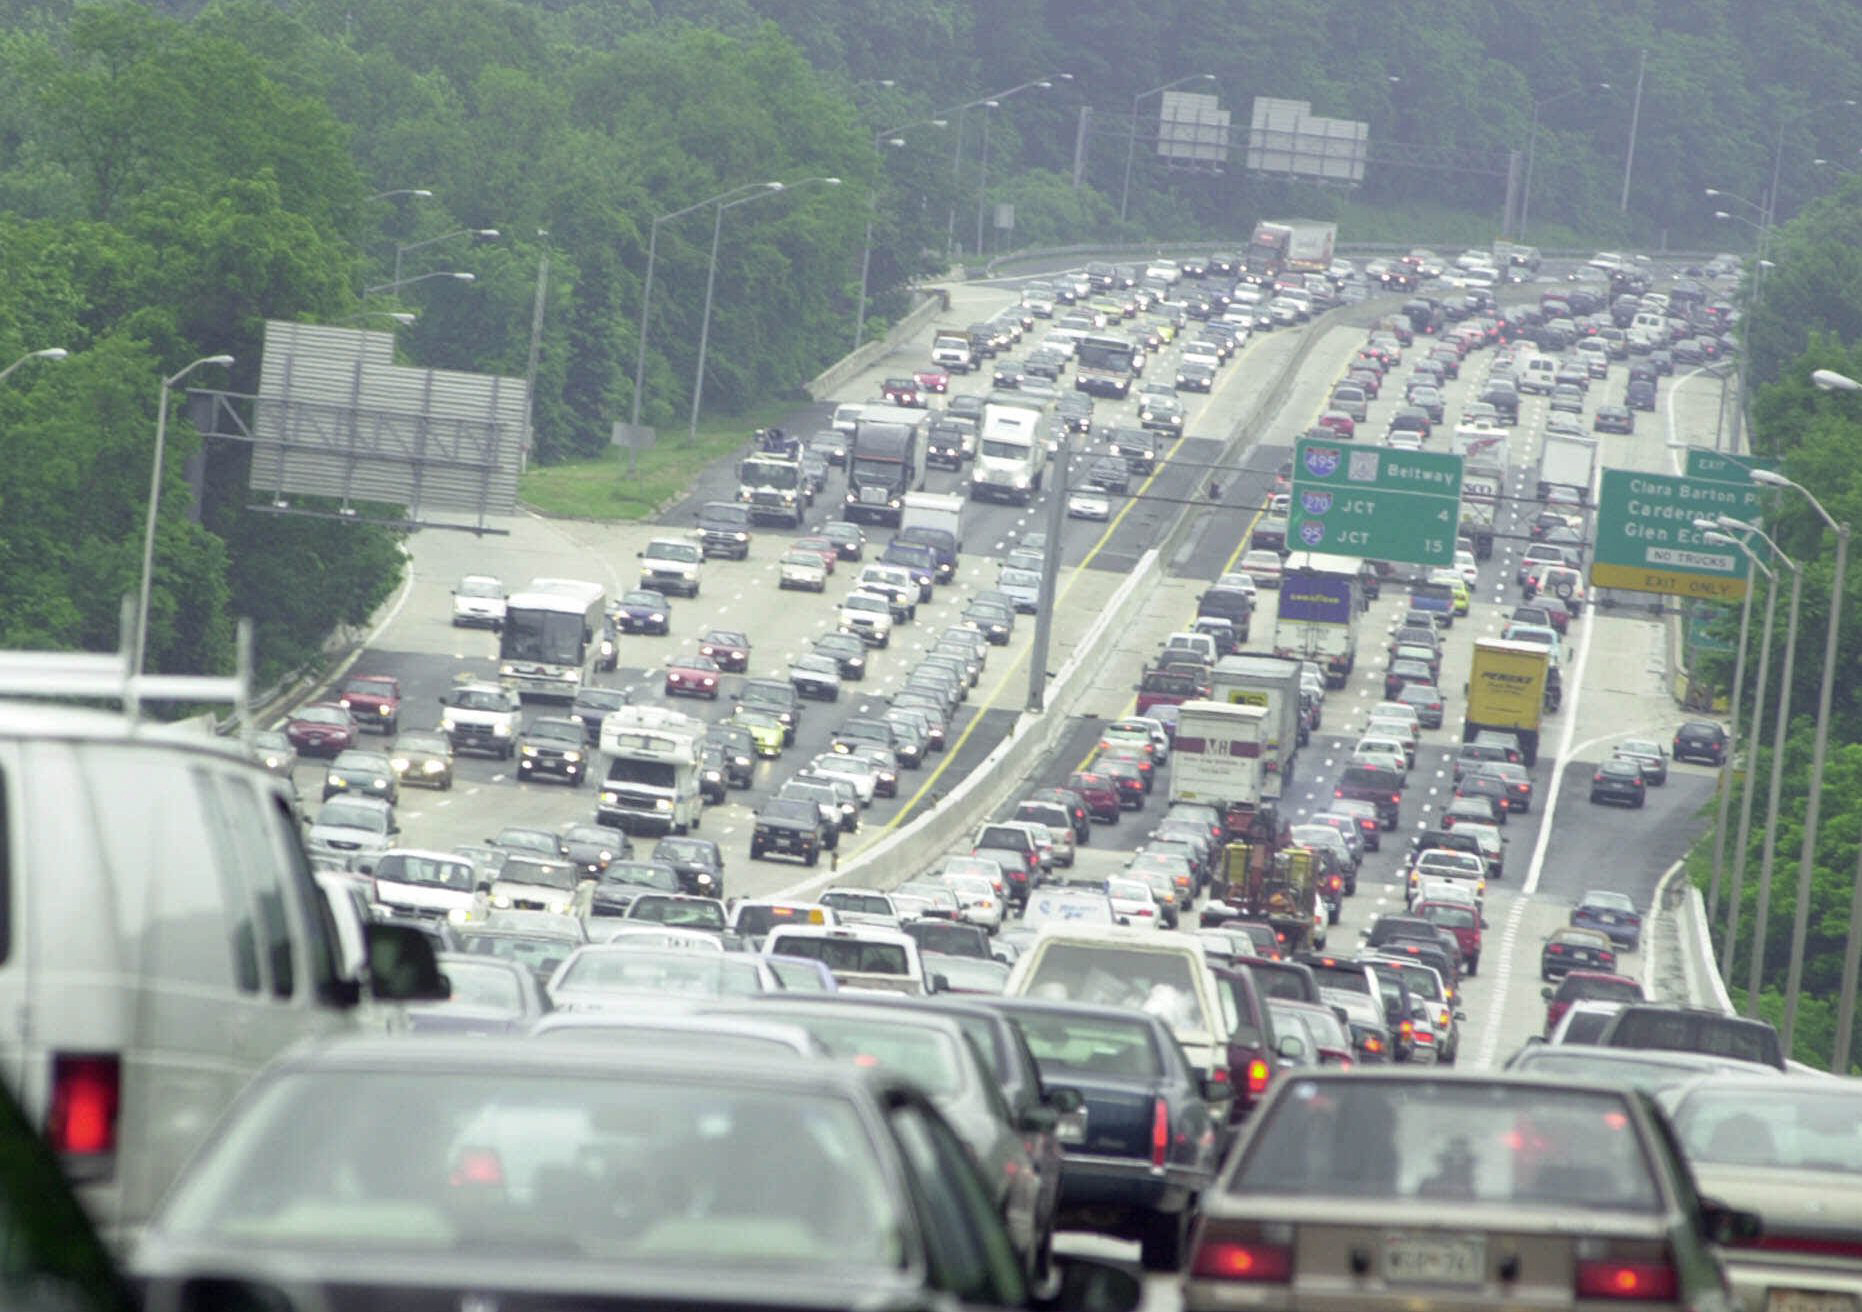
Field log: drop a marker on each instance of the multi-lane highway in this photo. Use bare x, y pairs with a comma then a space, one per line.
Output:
1615, 661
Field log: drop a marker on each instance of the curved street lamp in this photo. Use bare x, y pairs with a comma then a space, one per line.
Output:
1131, 138
49, 353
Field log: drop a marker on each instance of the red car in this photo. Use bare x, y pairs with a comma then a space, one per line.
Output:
828, 552
1099, 793
322, 729
1339, 422
375, 701
730, 649
692, 676
932, 380
1586, 986
903, 391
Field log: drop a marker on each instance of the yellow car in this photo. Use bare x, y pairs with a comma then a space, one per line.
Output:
1164, 329
1459, 585
766, 730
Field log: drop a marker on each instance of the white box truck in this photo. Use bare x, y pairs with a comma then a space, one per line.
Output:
1273, 684
1484, 451
942, 511
1568, 461
650, 777
1316, 612
1216, 756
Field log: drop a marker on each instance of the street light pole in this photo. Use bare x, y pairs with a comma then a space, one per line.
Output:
1725, 783
982, 180
1635, 123
1532, 145
1755, 968
1131, 137
1729, 951
455, 274
711, 282
887, 138
490, 234
141, 643
49, 353
1050, 580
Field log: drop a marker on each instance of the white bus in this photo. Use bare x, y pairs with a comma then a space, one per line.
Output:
551, 641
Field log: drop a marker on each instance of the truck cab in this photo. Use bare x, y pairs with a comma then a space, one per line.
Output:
1011, 455
651, 780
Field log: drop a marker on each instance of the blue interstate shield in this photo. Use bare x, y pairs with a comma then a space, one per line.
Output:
1312, 533
1315, 503
1322, 461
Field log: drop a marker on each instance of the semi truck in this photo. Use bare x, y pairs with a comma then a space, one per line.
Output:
882, 463
650, 780
1483, 449
1316, 617
1216, 755
771, 485
1310, 248
1011, 450
1506, 692
1273, 684
1568, 461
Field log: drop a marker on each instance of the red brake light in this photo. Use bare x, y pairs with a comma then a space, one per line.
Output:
478, 1166
1642, 1281
86, 1096
1230, 1260
1160, 1132
1259, 1073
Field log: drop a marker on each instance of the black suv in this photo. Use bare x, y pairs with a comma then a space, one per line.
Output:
791, 826
1701, 740
556, 746
724, 529
1135, 446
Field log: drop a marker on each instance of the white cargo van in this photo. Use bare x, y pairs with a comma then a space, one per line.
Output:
1538, 374
162, 936
1649, 327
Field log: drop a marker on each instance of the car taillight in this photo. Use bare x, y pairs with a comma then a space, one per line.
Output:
1407, 1028
86, 1096
1259, 1073
1556, 949
1160, 1131
1612, 1278
1264, 1255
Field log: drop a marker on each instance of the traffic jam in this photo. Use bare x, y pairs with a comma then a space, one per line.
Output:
1213, 1007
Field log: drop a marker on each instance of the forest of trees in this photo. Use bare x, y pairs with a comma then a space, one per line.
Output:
173, 174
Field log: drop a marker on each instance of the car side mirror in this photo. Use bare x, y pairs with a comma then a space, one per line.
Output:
1728, 1225
1064, 1099
1291, 1046
402, 965
940, 983
1546, 993
1037, 1119
1461, 1015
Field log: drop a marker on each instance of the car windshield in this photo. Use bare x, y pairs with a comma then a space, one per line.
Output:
1792, 1129
322, 715
1476, 1142
354, 813
412, 744
558, 875
650, 970
429, 872
678, 551
642, 874
480, 588
1090, 1045
432, 1161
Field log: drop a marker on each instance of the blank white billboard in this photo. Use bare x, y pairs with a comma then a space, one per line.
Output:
1287, 137
1192, 127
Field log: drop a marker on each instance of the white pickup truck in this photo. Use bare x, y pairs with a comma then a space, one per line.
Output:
859, 958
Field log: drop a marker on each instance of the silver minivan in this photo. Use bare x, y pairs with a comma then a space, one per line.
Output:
1350, 398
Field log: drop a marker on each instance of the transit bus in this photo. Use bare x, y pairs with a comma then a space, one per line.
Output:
551, 643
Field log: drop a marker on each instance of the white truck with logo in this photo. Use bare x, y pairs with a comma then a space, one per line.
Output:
651, 780
1483, 449
1316, 612
1273, 684
1011, 451
1567, 461
1217, 755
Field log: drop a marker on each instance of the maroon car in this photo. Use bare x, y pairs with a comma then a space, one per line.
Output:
1586, 986
730, 649
1099, 793
375, 701
902, 391
322, 729
692, 676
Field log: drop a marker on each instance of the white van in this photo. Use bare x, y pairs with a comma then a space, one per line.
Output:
162, 936
1538, 373
1115, 966
1649, 327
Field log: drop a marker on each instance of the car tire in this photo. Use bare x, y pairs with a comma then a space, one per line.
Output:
1163, 1241
1474, 964
813, 858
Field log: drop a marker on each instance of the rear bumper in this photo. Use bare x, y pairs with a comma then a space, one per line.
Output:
1125, 1185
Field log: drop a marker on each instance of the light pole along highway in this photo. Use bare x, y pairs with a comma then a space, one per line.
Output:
1131, 137
711, 280
988, 102
891, 139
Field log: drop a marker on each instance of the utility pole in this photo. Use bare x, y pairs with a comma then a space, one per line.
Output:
1635, 121
538, 302
1079, 146
1050, 579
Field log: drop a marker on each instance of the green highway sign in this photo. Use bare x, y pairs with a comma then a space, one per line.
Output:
1647, 542
1723, 466
1374, 502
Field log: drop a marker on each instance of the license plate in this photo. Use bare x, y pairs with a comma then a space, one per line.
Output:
1072, 1128
871, 495
1608, 917
1808, 1300
1434, 1260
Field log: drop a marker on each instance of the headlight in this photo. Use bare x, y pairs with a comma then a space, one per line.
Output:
740, 537
572, 757
704, 879
381, 783
662, 804
339, 782
529, 751
711, 776
501, 730
447, 724
741, 760
611, 799
433, 767
501, 900
656, 618
271, 762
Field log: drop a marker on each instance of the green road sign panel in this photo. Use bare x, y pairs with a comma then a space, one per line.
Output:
1723, 466
1647, 542
1374, 502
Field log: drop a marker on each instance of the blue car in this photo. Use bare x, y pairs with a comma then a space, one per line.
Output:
641, 611
1610, 914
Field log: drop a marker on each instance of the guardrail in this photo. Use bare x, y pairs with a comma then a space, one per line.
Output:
1139, 250
935, 301
1678, 903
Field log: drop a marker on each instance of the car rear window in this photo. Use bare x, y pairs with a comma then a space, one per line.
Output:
1475, 1142
1691, 1031
1370, 776
1095, 1045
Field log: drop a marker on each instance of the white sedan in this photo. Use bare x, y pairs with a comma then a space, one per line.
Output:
1089, 503
859, 773
803, 569
977, 900
1133, 903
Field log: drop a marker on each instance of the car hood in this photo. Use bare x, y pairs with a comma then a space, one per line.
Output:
551, 896
362, 838
421, 896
